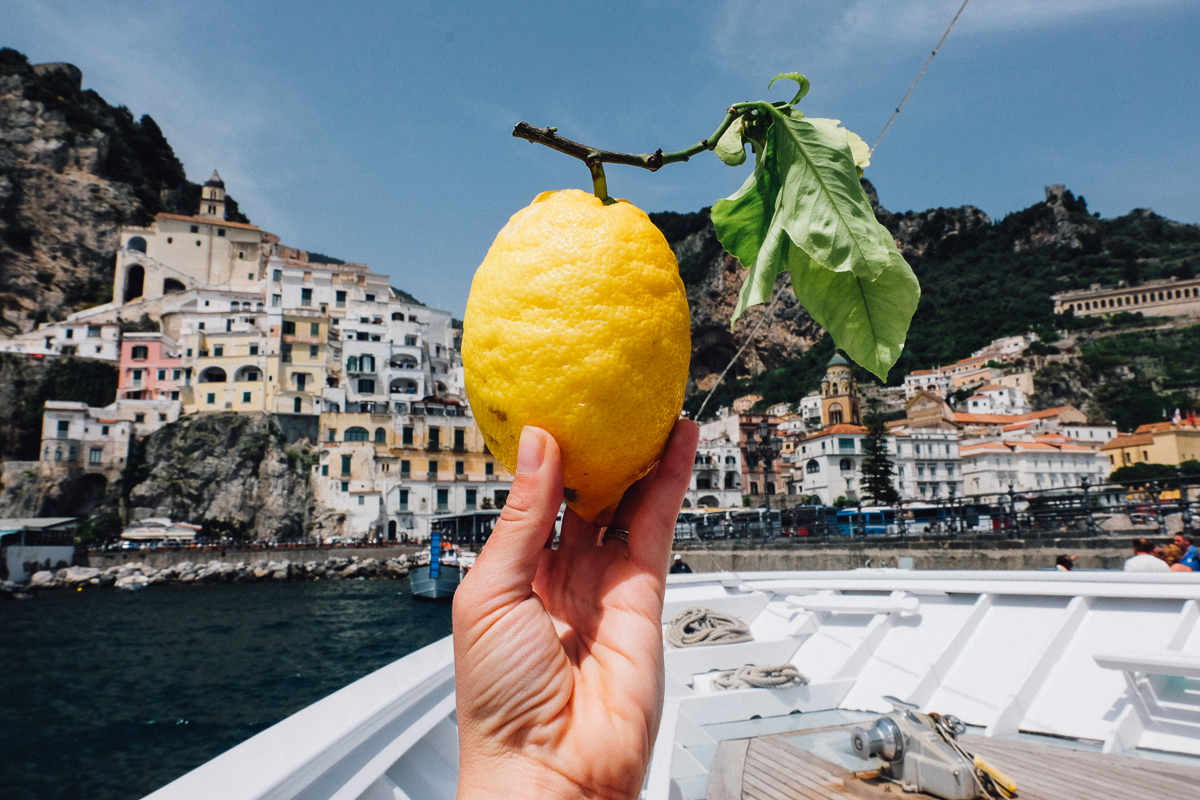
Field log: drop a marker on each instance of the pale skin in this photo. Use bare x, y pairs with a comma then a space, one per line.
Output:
558, 653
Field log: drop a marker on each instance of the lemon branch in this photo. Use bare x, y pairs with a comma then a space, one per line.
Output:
596, 158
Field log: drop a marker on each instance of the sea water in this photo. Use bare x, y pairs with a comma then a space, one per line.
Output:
109, 695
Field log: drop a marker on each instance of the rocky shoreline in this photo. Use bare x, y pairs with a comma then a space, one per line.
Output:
188, 572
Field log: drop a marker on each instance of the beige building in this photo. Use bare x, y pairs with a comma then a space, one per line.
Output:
1168, 298
388, 473
78, 438
1156, 443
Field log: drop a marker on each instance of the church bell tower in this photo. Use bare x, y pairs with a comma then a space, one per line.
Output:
212, 198
840, 400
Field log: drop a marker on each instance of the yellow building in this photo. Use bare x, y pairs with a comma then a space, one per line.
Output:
226, 370
1157, 443
297, 370
432, 460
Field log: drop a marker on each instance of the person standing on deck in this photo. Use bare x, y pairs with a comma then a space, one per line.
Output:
1143, 559
679, 565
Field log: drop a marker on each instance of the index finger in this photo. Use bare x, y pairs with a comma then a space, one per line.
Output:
650, 507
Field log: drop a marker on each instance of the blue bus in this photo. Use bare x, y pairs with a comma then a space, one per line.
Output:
873, 520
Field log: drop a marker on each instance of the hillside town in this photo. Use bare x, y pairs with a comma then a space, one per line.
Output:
211, 315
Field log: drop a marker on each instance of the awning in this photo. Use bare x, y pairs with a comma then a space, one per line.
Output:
145, 534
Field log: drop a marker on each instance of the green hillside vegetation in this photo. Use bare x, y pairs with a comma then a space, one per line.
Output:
975, 286
981, 281
28, 384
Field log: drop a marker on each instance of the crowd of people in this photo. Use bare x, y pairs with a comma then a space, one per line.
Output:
1180, 555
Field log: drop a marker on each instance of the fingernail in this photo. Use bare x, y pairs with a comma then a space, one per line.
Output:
531, 451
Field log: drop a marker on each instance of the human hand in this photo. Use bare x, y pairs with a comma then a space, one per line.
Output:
558, 654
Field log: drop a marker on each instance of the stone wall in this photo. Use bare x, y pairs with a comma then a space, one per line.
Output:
1106, 552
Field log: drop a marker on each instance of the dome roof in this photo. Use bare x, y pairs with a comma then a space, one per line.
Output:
838, 361
215, 180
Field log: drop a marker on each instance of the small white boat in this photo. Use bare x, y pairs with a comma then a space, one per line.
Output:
1077, 684
133, 583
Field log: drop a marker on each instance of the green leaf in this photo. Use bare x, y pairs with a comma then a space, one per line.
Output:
793, 76
730, 147
868, 319
804, 210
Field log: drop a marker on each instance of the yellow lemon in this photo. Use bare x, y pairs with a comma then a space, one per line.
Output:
578, 323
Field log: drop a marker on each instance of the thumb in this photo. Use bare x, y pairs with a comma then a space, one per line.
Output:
506, 567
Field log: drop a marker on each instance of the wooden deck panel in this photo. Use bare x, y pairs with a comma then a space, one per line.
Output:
769, 768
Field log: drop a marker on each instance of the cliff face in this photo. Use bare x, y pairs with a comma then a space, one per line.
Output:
72, 170
231, 472
713, 279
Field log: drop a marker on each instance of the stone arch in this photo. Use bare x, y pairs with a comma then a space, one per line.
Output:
213, 375
439, 388
402, 386
248, 374
136, 243
89, 493
171, 286
835, 413
135, 282
708, 501
356, 434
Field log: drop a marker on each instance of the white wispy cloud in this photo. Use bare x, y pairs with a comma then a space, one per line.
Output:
750, 36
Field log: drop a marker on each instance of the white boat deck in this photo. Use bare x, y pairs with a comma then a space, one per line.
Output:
1109, 662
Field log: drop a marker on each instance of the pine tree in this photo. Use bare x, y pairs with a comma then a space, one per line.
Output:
877, 469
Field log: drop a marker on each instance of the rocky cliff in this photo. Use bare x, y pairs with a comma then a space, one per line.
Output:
72, 170
233, 473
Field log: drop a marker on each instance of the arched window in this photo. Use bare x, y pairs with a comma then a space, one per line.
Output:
847, 465
136, 243
140, 352
248, 375
170, 286
380, 436
135, 281
835, 413
812, 466
235, 306
213, 375
708, 501
397, 317
357, 434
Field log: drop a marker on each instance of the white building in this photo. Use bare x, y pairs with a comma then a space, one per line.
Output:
70, 337
716, 477
928, 464
76, 437
828, 463
997, 399
992, 467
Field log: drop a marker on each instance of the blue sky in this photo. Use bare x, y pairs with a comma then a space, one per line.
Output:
380, 132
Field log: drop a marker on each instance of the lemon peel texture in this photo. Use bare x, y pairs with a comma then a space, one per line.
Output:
578, 323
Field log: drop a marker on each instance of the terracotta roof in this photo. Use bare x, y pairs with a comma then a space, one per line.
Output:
1161, 427
921, 372
1016, 426
1133, 440
836, 429
223, 223
991, 387
991, 447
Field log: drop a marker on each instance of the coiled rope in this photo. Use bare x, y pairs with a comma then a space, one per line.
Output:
750, 676
700, 626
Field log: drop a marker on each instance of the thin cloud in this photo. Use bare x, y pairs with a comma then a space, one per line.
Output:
751, 37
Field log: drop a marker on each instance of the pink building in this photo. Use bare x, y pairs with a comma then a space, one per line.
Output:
151, 368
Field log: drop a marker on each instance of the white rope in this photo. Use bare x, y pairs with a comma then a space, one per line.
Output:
778, 676
700, 626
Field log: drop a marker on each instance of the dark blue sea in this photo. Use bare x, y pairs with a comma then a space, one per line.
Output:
109, 695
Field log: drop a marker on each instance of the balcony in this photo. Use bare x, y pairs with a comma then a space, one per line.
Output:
459, 447
442, 508
405, 474
433, 447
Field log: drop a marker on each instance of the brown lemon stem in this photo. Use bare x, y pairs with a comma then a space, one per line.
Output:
594, 157
599, 182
